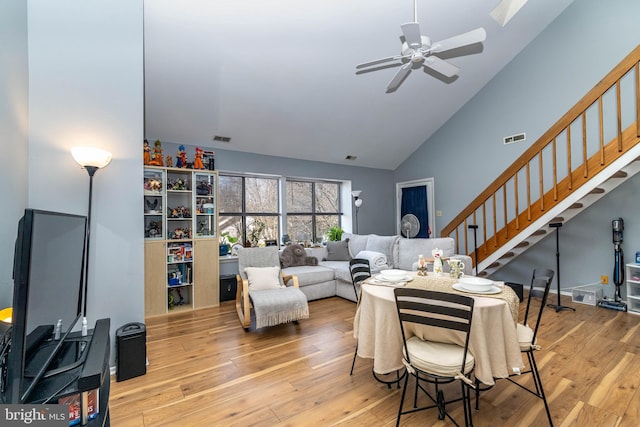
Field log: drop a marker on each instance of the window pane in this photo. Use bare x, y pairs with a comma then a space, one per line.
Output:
230, 194
262, 195
299, 197
261, 228
327, 197
324, 223
299, 227
233, 226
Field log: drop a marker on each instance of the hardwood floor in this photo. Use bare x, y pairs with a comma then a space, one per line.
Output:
205, 370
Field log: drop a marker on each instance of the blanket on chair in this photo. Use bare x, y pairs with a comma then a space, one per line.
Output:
275, 306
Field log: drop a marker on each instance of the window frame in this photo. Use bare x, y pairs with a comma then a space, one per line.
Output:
243, 214
314, 213
282, 211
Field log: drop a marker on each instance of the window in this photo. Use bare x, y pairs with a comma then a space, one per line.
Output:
249, 209
312, 208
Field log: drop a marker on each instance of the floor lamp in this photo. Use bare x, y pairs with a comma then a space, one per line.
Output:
90, 159
558, 307
358, 202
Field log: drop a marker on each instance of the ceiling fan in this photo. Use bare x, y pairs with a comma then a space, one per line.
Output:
418, 51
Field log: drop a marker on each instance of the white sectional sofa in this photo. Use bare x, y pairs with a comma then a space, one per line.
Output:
331, 276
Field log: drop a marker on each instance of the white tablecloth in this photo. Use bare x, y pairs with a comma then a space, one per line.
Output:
493, 341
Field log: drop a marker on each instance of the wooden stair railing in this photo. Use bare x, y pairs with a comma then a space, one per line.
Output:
546, 172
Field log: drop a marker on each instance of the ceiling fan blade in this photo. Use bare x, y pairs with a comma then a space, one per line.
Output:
473, 36
411, 32
441, 66
399, 77
378, 61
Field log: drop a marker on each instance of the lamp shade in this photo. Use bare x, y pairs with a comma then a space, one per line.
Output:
91, 156
6, 315
358, 203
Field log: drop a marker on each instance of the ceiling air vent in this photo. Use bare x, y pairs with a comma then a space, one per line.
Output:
219, 138
515, 138
350, 157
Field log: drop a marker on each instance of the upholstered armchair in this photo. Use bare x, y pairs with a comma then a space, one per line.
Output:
274, 297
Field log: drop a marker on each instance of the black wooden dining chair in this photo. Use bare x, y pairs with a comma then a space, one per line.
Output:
436, 362
527, 335
360, 271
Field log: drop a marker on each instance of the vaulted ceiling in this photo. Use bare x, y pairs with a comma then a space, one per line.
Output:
279, 78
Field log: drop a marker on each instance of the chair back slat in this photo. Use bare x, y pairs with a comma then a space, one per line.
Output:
538, 273
436, 309
360, 270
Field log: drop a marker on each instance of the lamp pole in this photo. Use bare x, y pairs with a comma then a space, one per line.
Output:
357, 201
91, 170
558, 307
90, 159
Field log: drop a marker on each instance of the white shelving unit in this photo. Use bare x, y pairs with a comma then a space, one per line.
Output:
633, 288
181, 243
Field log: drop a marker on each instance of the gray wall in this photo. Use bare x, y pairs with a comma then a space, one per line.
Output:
13, 134
533, 91
85, 88
378, 187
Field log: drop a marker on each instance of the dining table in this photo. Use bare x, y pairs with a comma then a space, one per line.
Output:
492, 340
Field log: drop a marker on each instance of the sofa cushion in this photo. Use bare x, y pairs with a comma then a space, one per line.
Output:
357, 242
338, 251
309, 275
410, 249
340, 269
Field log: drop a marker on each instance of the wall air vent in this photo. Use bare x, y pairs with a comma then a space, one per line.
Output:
515, 138
350, 157
219, 138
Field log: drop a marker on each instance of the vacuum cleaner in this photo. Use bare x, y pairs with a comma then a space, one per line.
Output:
616, 303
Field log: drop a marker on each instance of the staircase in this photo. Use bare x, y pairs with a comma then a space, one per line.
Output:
564, 172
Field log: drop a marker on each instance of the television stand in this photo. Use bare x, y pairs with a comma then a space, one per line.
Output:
79, 372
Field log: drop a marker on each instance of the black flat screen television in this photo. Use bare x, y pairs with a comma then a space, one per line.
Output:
48, 286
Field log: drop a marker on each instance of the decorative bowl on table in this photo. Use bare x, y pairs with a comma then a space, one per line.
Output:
473, 283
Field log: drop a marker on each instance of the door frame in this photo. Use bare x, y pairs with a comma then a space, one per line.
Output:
429, 183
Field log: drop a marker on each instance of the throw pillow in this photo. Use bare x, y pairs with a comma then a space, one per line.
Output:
263, 278
338, 251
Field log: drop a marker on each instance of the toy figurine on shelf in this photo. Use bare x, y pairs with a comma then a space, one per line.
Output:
156, 157
169, 161
181, 158
197, 163
146, 152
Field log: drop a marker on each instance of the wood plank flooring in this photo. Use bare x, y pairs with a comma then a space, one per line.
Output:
205, 370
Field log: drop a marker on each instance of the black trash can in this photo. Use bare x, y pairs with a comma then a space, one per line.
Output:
227, 287
131, 351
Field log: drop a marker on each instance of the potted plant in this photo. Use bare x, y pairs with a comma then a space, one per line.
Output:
335, 234
226, 240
